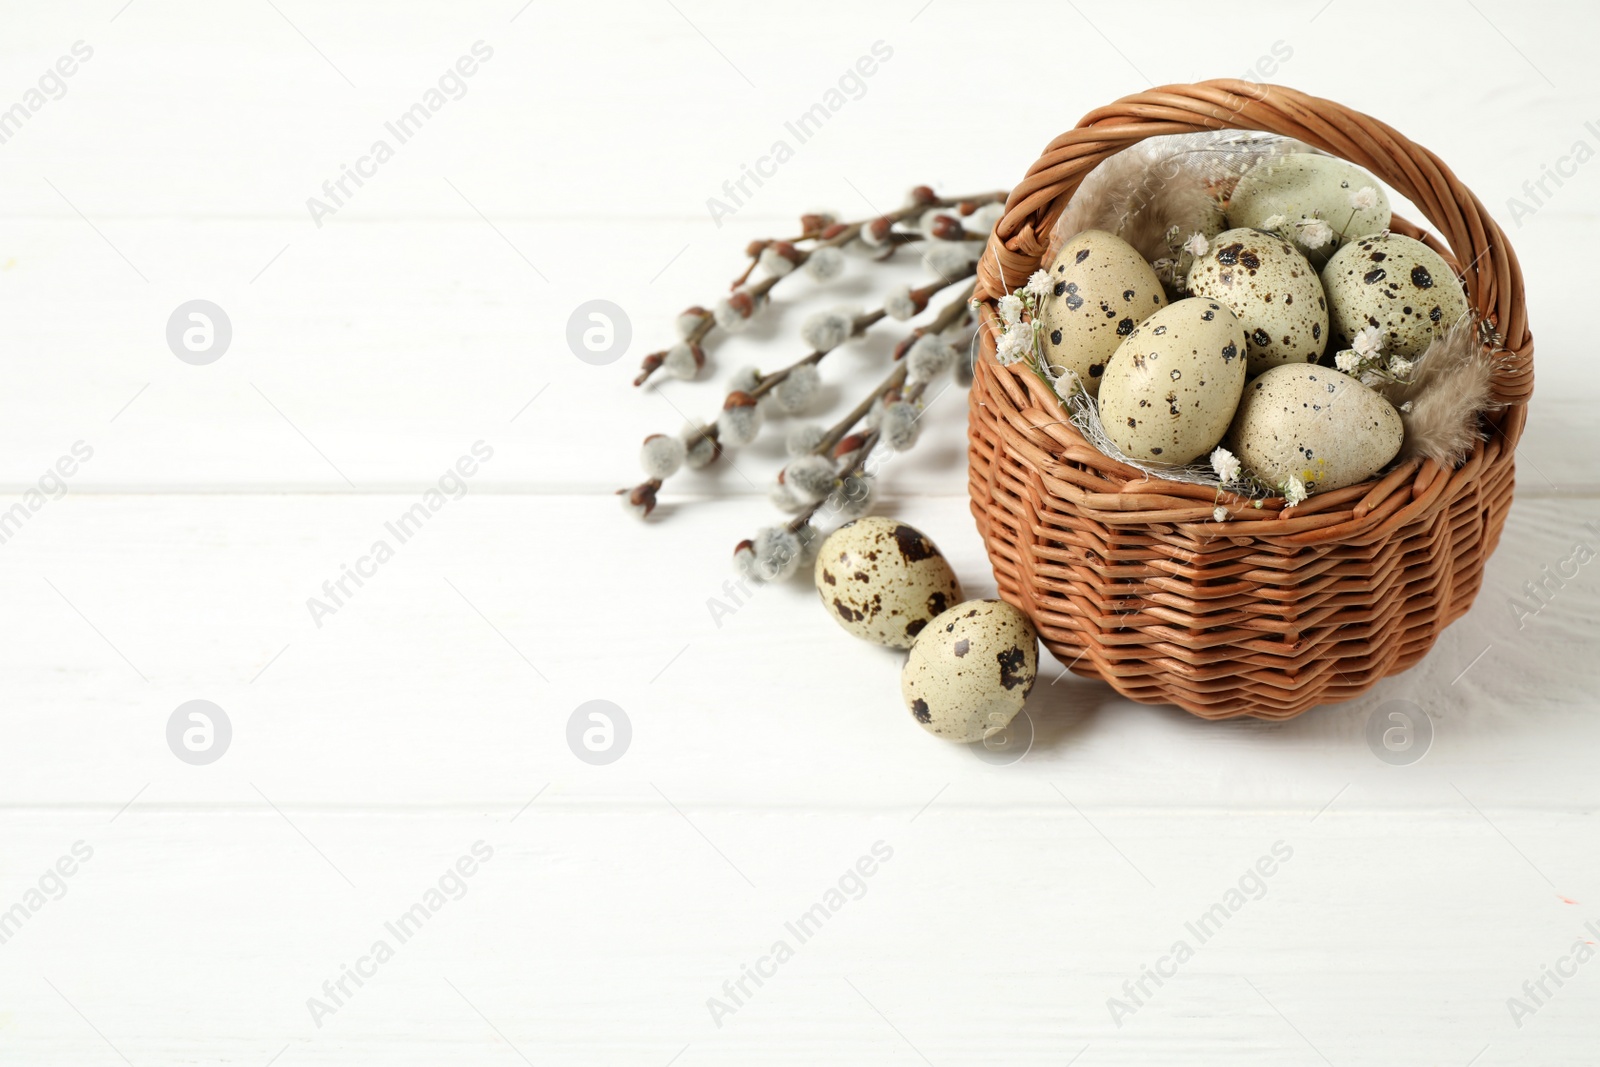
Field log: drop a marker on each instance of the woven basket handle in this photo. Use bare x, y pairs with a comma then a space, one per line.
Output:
1493, 276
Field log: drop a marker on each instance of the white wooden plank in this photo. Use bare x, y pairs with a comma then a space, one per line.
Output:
600, 933
769, 752
408, 695
391, 348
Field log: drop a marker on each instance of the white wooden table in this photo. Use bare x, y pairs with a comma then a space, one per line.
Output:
1013, 910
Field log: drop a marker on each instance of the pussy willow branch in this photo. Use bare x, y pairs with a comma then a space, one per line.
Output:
956, 312
948, 316
863, 322
802, 520
842, 235
859, 325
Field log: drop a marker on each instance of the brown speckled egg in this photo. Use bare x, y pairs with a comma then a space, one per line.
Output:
1399, 285
1315, 423
1171, 389
882, 580
1275, 293
970, 671
1102, 288
1303, 185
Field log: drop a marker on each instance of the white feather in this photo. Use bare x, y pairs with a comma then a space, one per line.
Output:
1143, 192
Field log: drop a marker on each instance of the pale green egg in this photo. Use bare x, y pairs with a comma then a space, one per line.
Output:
1172, 386
1316, 424
971, 669
1101, 288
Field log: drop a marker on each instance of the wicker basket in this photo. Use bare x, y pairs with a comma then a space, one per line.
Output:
1128, 578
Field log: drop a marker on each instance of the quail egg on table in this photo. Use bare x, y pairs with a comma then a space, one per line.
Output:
970, 671
1274, 292
1397, 284
1316, 424
1301, 187
1102, 288
1171, 388
883, 580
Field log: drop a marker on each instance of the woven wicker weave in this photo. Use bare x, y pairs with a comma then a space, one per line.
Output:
1272, 612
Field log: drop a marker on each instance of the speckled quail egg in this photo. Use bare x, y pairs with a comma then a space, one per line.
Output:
1397, 284
970, 671
1274, 292
1171, 388
1303, 186
1102, 289
883, 580
1315, 423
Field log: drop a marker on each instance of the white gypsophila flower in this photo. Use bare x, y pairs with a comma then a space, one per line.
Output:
784, 498
1273, 222
929, 357
825, 264
1015, 345
738, 425
1039, 284
1364, 198
1400, 368
1197, 245
688, 322
803, 438
798, 389
1067, 383
1406, 407
1314, 233
900, 425
1010, 307
681, 362
1368, 341
950, 258
729, 317
853, 496
1225, 464
1294, 492
1219, 514
699, 449
900, 305
777, 553
826, 330
744, 380
774, 262
810, 477
1347, 361
661, 456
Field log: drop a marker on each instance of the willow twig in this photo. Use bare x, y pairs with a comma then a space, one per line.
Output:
834, 235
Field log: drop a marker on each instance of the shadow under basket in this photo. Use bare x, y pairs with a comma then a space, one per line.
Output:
1272, 612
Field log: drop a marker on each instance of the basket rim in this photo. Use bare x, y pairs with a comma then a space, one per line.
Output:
1493, 280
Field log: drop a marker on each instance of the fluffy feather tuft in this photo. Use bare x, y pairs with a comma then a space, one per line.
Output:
1447, 392
1143, 192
